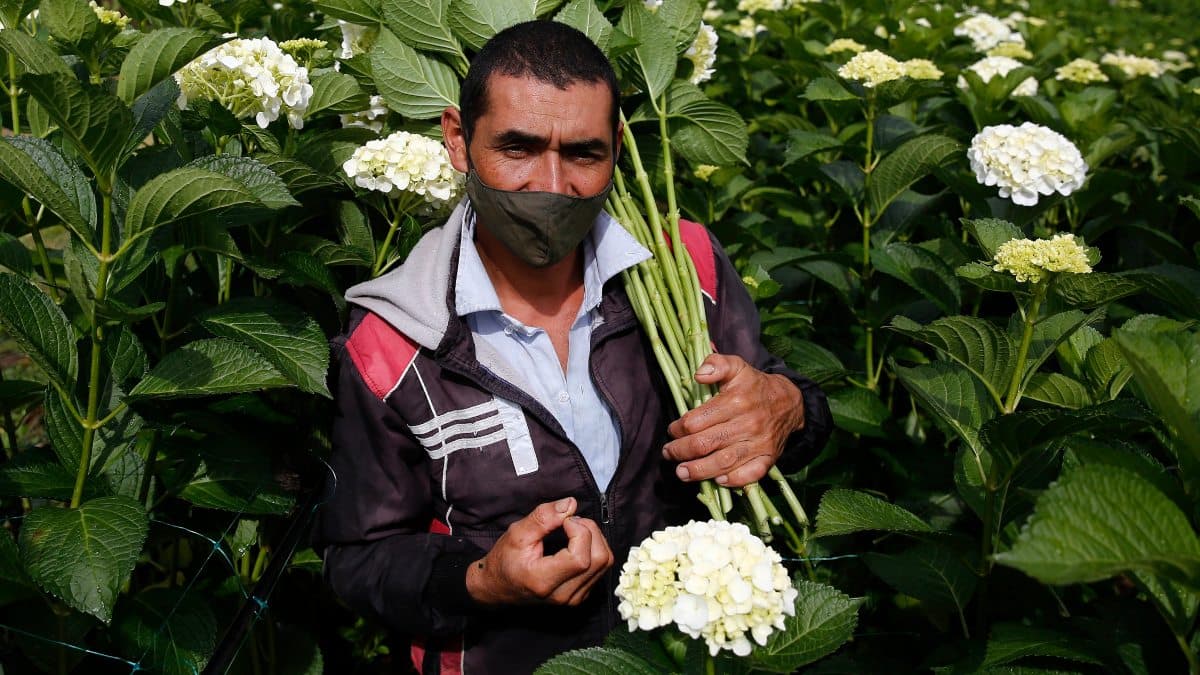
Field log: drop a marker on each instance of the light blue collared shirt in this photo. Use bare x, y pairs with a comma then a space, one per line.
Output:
571, 396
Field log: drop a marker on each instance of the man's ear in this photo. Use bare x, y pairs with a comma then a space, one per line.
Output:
617, 143
455, 138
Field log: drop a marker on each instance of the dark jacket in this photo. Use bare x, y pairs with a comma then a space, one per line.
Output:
438, 449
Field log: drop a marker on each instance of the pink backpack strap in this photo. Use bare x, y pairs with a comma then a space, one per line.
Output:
699, 246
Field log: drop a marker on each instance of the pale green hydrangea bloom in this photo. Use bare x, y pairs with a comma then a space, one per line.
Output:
406, 163
371, 118
845, 45
250, 78
1026, 161
1031, 260
872, 69
704, 171
703, 54
1133, 66
986, 31
922, 69
746, 27
712, 12
753, 6
303, 44
714, 580
993, 66
109, 16
1080, 70
1013, 50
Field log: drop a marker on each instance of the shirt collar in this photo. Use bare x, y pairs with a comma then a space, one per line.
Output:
607, 251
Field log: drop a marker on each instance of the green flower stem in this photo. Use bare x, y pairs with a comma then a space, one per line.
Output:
1031, 316
710, 497
762, 520
785, 488
260, 563
148, 443
865, 219
641, 304
14, 100
381, 256
794, 540
1193, 660
90, 426
33, 221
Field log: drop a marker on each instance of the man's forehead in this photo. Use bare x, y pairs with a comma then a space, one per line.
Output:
506, 94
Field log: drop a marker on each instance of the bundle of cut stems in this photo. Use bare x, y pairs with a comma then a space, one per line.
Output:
665, 293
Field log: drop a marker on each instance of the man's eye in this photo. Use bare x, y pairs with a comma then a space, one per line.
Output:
515, 151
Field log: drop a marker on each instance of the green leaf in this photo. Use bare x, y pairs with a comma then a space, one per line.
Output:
303, 270
476, 21
288, 338
17, 393
826, 89
988, 352
335, 92
1050, 332
297, 176
859, 411
645, 644
1106, 369
846, 511
157, 55
1176, 285
168, 630
923, 270
955, 397
423, 25
597, 661
1013, 437
361, 12
149, 110
1167, 369
682, 20
96, 122
907, 164
255, 176
1192, 203
825, 619
83, 555
988, 279
933, 572
1096, 288
15, 256
990, 233
209, 367
39, 328
13, 12
71, 22
814, 361
803, 143
186, 192
40, 477
411, 83
710, 132
1058, 390
1011, 642
40, 170
232, 475
584, 16
1099, 521
652, 61
15, 584
34, 55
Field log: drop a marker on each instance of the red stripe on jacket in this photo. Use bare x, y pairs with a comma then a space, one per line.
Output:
381, 353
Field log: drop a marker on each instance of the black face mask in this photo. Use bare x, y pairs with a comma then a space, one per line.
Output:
539, 228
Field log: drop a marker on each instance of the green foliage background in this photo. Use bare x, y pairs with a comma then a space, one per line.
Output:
1015, 480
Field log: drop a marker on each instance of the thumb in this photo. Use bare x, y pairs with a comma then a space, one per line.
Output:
545, 519
719, 368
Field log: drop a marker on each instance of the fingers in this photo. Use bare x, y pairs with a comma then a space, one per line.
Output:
546, 518
720, 368
597, 556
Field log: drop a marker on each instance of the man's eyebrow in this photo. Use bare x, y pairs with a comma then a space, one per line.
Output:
521, 138
587, 146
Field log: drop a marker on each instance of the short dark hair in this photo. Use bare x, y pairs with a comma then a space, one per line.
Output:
550, 51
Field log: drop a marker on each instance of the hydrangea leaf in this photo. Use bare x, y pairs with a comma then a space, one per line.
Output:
411, 83
1176, 285
682, 20
803, 143
96, 122
40, 170
907, 164
584, 16
40, 329
597, 661
159, 54
1058, 390
990, 233
38, 476
209, 367
859, 411
71, 22
288, 338
652, 62
167, 630
935, 573
255, 176
1012, 437
988, 352
985, 277
825, 619
297, 176
1048, 333
847, 511
1099, 521
423, 24
231, 474
1095, 288
83, 555
923, 270
335, 92
12, 11
34, 55
704, 131
955, 397
827, 89
1011, 642
360, 12
186, 192
476, 21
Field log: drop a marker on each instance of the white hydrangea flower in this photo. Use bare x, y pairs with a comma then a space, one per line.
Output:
371, 118
1133, 66
845, 45
251, 78
712, 12
753, 6
356, 39
702, 54
1032, 259
992, 66
872, 69
746, 27
406, 163
922, 69
1026, 162
923, 22
1080, 70
168, 3
714, 580
109, 16
653, 5
986, 31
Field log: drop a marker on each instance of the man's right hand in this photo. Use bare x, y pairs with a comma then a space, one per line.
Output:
515, 571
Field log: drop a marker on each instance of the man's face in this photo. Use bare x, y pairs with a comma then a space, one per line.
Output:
535, 136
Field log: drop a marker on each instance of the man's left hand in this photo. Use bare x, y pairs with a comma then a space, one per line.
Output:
736, 436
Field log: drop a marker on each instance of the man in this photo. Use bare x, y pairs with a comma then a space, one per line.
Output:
503, 436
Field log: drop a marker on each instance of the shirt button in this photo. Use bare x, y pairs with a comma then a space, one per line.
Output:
509, 330
563, 397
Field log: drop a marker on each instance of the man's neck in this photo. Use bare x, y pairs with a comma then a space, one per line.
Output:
535, 296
